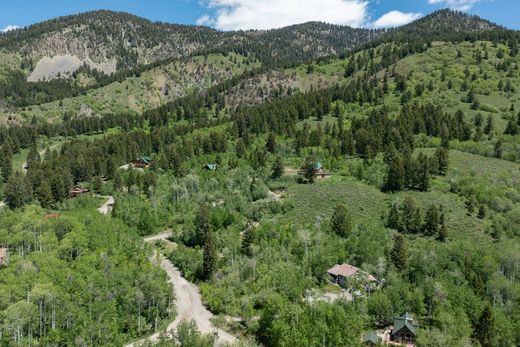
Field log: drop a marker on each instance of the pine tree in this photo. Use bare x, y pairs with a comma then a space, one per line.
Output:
443, 230
431, 221
411, 220
270, 145
209, 258
423, 176
498, 149
6, 166
482, 211
97, 184
203, 226
394, 217
16, 193
247, 240
341, 221
399, 253
278, 168
395, 176
442, 159
309, 169
485, 329
44, 194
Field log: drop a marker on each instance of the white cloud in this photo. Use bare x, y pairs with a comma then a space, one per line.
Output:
268, 14
460, 5
394, 19
9, 28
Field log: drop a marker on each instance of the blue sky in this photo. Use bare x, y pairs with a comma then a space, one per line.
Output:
262, 14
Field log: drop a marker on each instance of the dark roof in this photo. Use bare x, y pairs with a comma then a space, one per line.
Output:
404, 321
371, 336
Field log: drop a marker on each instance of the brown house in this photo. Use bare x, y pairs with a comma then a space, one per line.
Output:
142, 162
76, 191
319, 171
404, 330
345, 275
4, 256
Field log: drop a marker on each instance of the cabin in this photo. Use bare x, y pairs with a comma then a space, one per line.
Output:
346, 275
77, 191
404, 330
370, 339
142, 162
4, 256
320, 171
210, 167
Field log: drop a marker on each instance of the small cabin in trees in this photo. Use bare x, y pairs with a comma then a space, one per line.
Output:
142, 162
346, 275
76, 191
4, 256
370, 339
210, 167
404, 330
319, 170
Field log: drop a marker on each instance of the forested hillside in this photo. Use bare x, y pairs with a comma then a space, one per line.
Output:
397, 158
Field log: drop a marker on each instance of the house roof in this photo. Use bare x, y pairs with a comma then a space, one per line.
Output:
211, 166
344, 270
371, 336
318, 166
405, 320
347, 270
145, 159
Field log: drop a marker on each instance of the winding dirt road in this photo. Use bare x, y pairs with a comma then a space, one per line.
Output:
188, 302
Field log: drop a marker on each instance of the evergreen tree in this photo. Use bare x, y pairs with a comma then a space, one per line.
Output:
399, 252
395, 176
16, 192
431, 221
485, 329
482, 211
44, 194
97, 184
423, 175
309, 169
341, 221
210, 257
6, 166
203, 226
498, 149
394, 217
278, 168
443, 230
270, 145
411, 220
442, 159
247, 240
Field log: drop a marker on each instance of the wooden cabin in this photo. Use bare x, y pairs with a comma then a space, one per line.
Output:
210, 167
346, 275
76, 191
4, 256
319, 170
404, 330
142, 162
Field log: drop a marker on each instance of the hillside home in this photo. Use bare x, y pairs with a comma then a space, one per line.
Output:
320, 171
142, 162
76, 191
370, 339
347, 275
404, 330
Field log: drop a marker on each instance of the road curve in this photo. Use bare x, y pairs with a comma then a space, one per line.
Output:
188, 302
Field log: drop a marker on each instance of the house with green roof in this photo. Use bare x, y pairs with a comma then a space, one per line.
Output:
142, 162
320, 172
404, 330
370, 339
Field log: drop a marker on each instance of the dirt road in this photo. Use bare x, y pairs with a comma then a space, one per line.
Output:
187, 300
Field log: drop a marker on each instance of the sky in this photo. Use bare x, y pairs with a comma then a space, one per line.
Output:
262, 14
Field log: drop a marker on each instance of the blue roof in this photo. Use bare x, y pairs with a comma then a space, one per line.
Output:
317, 166
211, 166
